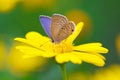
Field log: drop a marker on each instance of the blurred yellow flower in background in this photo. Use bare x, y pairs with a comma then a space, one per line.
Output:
7, 5
118, 44
78, 16
79, 76
18, 64
110, 73
2, 55
33, 4
65, 51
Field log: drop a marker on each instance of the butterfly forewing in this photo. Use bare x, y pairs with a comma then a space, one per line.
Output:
46, 23
58, 21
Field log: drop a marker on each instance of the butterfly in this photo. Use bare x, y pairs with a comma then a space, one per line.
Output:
57, 27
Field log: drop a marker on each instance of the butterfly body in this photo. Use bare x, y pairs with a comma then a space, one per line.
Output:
59, 27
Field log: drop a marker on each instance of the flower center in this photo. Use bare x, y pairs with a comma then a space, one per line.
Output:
62, 47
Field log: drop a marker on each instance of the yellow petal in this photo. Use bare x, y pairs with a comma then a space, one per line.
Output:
33, 38
66, 57
78, 29
101, 56
18, 64
92, 44
91, 47
33, 52
36, 37
90, 58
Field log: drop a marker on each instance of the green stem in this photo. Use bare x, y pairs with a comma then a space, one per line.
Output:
63, 68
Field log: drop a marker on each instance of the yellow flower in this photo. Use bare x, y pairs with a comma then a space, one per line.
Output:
65, 51
7, 5
79, 76
18, 64
118, 44
110, 73
33, 4
79, 15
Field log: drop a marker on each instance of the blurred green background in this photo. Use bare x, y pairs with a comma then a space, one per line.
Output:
102, 24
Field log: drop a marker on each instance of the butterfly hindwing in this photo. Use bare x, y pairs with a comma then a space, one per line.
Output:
65, 31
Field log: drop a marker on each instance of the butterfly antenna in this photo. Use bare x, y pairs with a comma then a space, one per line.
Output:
44, 43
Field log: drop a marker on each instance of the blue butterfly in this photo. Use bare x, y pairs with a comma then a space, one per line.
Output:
57, 27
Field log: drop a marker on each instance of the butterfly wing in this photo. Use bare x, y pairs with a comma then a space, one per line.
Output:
58, 21
65, 31
46, 23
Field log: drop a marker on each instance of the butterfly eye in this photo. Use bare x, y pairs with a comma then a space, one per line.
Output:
72, 30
